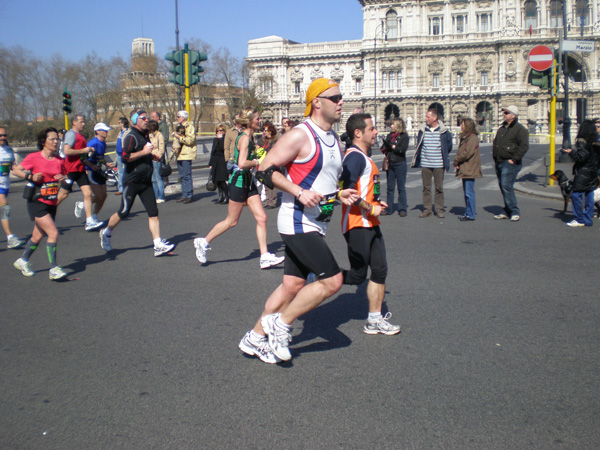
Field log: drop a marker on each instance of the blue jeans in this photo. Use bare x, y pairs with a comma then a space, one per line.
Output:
157, 182
507, 175
185, 176
469, 190
120, 172
396, 176
583, 216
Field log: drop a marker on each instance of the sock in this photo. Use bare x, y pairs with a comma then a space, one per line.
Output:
107, 232
157, 241
8, 236
255, 337
374, 316
281, 323
51, 249
29, 249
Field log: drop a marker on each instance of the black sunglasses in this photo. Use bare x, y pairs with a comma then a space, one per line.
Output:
3, 135
334, 98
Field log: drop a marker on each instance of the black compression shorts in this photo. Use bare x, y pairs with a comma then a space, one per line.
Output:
306, 253
146, 194
365, 249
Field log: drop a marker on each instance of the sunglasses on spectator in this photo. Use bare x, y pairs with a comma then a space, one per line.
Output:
4, 135
334, 98
143, 118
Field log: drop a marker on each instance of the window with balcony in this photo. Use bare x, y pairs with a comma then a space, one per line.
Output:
459, 24
484, 78
460, 79
436, 26
391, 20
531, 15
484, 22
556, 13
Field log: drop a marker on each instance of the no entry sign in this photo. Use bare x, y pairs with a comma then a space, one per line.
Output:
540, 57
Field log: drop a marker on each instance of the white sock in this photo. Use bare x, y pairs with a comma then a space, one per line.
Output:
8, 236
374, 316
156, 241
255, 337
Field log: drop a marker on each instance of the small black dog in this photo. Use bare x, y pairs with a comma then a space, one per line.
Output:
566, 188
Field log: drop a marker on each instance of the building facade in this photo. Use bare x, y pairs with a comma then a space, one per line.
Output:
464, 57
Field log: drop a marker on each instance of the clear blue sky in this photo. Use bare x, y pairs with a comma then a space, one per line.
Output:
75, 28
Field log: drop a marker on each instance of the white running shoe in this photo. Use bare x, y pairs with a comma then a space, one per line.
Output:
201, 248
163, 247
93, 224
515, 218
501, 216
15, 242
269, 260
261, 349
279, 335
105, 240
24, 267
57, 273
382, 326
78, 209
574, 223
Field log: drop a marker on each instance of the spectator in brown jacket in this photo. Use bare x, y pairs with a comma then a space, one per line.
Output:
467, 163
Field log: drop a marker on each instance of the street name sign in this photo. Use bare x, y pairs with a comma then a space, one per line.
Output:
578, 46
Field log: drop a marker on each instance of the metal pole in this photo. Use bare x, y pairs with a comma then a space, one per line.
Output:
566, 143
375, 73
177, 47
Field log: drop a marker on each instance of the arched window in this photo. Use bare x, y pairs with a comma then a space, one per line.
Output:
531, 18
582, 12
391, 19
556, 13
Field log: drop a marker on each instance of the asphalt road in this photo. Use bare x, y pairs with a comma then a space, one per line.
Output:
498, 350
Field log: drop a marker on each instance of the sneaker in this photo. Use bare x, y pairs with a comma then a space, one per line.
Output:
262, 349
500, 216
382, 326
160, 200
574, 223
57, 273
279, 335
201, 248
93, 224
163, 247
78, 209
15, 242
105, 240
515, 218
269, 260
24, 267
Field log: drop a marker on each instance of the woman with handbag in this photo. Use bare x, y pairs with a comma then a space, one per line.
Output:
157, 139
217, 165
44, 172
243, 191
394, 147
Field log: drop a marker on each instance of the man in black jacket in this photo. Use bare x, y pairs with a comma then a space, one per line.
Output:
510, 145
138, 157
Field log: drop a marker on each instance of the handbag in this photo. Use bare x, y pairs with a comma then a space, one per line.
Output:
386, 164
165, 169
210, 184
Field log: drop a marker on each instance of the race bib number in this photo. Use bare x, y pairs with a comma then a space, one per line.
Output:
49, 190
326, 207
376, 188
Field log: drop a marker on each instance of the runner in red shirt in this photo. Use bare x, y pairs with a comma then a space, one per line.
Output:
44, 171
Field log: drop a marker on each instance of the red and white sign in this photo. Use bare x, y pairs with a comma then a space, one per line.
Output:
541, 57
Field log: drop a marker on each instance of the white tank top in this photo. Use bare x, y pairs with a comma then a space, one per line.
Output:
319, 172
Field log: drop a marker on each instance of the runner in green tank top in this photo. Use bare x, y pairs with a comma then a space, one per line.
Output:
243, 191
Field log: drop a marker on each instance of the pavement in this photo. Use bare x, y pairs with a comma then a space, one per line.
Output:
533, 178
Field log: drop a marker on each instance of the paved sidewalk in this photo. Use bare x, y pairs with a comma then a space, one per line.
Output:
533, 179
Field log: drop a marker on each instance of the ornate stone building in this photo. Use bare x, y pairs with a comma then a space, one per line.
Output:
466, 57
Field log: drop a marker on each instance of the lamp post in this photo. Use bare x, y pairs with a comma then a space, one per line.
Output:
382, 26
566, 143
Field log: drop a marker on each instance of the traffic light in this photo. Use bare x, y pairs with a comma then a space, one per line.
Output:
177, 69
195, 69
540, 79
67, 102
